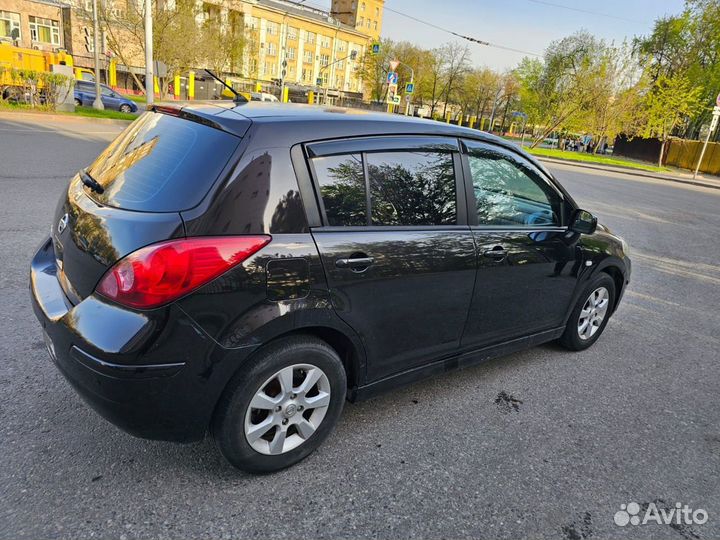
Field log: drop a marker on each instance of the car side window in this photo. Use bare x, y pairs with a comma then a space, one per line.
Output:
342, 188
510, 192
412, 188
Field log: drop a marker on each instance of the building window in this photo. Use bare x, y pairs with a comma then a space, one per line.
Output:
310, 37
292, 32
375, 25
341, 46
341, 64
361, 22
272, 28
44, 30
377, 12
367, 23
291, 53
324, 59
325, 42
272, 49
308, 57
8, 22
252, 23
362, 6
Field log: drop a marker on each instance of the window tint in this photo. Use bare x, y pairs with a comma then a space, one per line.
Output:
342, 187
161, 163
508, 192
412, 188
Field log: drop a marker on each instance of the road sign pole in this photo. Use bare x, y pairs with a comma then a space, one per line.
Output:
713, 125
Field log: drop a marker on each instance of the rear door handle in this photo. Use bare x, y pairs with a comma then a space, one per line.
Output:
497, 253
355, 263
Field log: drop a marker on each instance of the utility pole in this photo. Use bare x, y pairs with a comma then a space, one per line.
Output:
149, 77
97, 104
713, 125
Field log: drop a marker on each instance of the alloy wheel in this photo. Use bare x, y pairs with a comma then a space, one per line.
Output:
593, 313
287, 409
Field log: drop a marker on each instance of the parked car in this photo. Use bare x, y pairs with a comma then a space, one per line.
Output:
263, 96
85, 95
246, 268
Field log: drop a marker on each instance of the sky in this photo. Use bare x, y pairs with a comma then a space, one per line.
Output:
527, 25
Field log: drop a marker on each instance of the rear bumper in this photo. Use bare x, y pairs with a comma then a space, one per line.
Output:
154, 374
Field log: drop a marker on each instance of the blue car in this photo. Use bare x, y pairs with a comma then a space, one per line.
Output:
85, 95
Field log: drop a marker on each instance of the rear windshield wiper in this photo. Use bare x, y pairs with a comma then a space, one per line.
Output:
90, 182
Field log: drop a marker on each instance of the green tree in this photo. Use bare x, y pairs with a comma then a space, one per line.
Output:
672, 101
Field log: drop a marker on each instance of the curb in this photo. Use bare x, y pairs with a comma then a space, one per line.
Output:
5, 115
632, 172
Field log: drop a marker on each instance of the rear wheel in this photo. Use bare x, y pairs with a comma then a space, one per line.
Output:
591, 314
282, 407
78, 103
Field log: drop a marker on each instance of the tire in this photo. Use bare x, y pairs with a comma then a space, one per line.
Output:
78, 103
125, 108
573, 338
241, 432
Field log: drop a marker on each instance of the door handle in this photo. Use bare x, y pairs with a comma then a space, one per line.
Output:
497, 253
357, 264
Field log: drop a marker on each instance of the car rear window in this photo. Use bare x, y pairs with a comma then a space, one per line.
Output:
161, 163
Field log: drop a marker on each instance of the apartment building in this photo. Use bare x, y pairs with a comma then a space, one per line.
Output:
292, 41
34, 24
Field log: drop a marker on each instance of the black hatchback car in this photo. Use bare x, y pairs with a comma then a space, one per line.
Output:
246, 268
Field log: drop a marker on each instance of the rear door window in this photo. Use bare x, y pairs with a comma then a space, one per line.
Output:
414, 187
161, 163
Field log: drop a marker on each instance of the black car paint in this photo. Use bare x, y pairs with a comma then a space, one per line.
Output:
159, 373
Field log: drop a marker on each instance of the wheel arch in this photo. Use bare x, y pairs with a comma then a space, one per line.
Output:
618, 278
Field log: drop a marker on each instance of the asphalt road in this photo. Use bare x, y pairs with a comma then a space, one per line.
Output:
540, 444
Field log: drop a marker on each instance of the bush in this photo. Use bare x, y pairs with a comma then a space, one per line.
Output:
40, 89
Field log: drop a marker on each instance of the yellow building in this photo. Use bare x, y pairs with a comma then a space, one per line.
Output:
363, 15
288, 40
304, 45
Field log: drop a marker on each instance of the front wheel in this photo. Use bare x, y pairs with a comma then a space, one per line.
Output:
591, 314
282, 406
125, 108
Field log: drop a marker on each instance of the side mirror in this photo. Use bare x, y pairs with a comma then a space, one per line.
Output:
583, 222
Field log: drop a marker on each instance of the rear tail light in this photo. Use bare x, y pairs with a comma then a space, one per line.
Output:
161, 273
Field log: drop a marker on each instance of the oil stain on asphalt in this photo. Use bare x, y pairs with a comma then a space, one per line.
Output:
507, 403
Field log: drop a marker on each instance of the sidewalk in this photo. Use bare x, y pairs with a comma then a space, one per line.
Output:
56, 117
707, 181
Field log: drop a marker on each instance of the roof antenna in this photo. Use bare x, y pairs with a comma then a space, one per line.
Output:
239, 98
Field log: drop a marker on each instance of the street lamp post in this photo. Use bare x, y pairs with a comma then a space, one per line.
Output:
149, 76
352, 56
97, 103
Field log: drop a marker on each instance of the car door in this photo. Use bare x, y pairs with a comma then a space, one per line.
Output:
528, 262
109, 98
397, 252
87, 93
